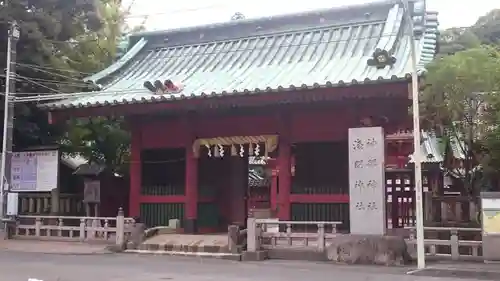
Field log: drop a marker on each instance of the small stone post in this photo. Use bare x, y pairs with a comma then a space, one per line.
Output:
321, 237
38, 225
254, 233
233, 233
120, 228
83, 229
54, 202
455, 254
252, 236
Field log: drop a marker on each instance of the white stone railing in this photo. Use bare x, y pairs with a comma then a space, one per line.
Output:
41, 204
265, 233
455, 247
66, 228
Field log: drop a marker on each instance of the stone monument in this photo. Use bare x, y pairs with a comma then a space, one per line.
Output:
367, 181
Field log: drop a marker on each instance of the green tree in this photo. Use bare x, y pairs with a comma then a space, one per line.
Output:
100, 140
460, 89
485, 31
62, 42
44, 25
94, 51
487, 27
455, 40
238, 16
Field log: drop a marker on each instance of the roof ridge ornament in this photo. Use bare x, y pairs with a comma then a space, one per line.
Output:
381, 59
167, 87
418, 12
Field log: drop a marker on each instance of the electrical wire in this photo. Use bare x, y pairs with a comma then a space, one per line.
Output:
52, 68
38, 84
46, 81
59, 82
51, 73
59, 96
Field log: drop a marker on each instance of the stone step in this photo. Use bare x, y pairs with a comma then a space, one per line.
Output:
190, 248
201, 254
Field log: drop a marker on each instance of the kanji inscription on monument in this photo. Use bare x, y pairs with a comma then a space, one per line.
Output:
366, 180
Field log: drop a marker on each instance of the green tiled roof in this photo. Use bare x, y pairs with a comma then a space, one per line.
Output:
430, 149
433, 148
309, 50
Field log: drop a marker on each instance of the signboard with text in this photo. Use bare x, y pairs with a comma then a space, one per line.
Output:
34, 171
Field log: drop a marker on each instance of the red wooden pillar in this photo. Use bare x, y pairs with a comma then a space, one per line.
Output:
135, 171
284, 168
191, 205
274, 190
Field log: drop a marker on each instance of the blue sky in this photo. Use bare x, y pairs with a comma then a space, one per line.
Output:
195, 12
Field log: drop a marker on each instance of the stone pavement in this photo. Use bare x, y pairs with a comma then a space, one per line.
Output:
477, 270
49, 247
70, 261
17, 266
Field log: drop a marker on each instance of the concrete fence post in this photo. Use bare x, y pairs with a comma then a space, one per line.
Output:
455, 254
252, 238
233, 233
38, 225
82, 230
120, 228
321, 237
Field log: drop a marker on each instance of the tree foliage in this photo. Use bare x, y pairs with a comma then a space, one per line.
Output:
487, 27
485, 31
100, 140
462, 101
456, 104
61, 42
238, 16
45, 27
455, 40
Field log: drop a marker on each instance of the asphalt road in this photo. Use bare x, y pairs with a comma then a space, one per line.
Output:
16, 266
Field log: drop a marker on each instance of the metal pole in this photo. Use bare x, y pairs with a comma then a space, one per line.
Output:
8, 117
416, 144
5, 120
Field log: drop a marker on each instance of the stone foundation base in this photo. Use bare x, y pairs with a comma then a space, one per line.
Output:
4, 235
254, 256
369, 249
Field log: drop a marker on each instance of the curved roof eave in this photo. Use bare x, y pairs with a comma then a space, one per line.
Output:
119, 63
267, 18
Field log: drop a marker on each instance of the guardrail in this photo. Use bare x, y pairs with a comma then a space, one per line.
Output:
269, 233
460, 244
66, 228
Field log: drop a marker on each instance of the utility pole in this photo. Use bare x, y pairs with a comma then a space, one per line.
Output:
417, 160
8, 117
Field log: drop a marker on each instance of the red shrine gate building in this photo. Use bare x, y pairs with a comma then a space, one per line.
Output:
282, 90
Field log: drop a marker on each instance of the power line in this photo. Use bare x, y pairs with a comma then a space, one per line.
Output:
47, 81
53, 68
59, 83
51, 73
38, 84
